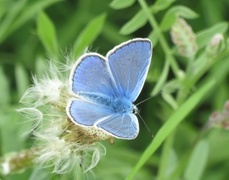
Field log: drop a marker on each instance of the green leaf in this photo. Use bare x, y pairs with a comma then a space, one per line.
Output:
174, 120
153, 36
185, 12
197, 162
168, 164
203, 37
5, 89
168, 159
10, 16
168, 20
160, 5
88, 35
10, 130
22, 80
3, 9
38, 174
170, 100
40, 66
162, 79
47, 33
174, 12
120, 4
134, 24
29, 12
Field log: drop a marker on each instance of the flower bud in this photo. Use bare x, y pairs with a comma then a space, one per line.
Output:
184, 38
215, 45
220, 119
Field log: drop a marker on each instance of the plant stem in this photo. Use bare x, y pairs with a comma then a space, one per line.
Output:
15, 162
162, 40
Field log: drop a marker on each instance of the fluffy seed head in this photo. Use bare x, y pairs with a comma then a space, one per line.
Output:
61, 144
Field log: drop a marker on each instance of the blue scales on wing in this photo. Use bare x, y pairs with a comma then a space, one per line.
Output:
91, 76
124, 126
129, 65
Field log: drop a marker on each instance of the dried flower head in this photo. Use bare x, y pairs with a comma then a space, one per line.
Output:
184, 38
215, 45
220, 119
61, 144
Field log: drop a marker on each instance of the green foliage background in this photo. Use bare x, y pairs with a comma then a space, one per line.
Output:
33, 31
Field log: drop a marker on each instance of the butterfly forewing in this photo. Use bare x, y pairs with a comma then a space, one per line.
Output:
129, 64
91, 76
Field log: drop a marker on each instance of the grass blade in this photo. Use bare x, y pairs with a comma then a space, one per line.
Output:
172, 123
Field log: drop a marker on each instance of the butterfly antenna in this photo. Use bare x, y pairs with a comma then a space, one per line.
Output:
144, 100
146, 125
160, 92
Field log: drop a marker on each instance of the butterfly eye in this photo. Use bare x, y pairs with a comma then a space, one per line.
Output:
135, 110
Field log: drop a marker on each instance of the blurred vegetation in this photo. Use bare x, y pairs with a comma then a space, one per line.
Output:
188, 81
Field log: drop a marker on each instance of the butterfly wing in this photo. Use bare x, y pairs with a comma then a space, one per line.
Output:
129, 64
122, 126
123, 75
86, 113
91, 76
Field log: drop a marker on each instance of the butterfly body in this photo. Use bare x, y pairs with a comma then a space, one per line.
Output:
122, 105
106, 87
114, 104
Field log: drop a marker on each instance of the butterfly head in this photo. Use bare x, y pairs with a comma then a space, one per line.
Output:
134, 109
122, 105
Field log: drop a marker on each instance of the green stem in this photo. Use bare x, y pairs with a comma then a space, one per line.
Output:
162, 40
174, 120
15, 162
184, 92
169, 58
162, 79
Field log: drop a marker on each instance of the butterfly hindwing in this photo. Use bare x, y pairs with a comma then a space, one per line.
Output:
122, 126
86, 113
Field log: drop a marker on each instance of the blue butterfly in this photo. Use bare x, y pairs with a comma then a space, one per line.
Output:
106, 87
